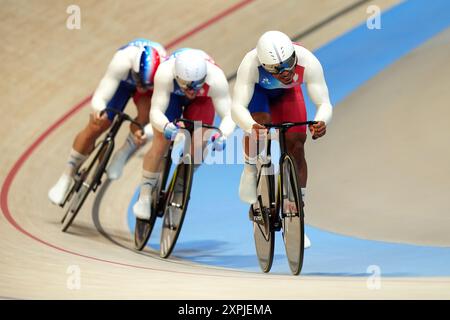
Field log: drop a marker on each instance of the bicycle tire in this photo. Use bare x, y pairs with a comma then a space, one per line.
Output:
292, 217
88, 183
143, 228
263, 213
176, 206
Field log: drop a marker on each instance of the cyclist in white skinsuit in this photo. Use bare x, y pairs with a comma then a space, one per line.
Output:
129, 74
268, 89
190, 85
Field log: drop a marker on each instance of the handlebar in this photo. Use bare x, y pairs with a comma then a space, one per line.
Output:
192, 122
287, 125
124, 116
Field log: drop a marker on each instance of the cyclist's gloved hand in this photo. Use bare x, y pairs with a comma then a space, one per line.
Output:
170, 131
139, 137
258, 131
318, 130
219, 142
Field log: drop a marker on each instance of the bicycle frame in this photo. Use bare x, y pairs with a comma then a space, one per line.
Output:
190, 128
268, 213
109, 138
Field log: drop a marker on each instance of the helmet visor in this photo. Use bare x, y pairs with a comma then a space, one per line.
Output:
190, 85
287, 65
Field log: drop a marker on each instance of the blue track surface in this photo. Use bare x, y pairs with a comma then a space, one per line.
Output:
217, 231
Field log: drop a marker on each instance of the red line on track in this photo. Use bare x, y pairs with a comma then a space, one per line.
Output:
211, 21
23, 158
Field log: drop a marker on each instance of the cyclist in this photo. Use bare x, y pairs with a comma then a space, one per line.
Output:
129, 74
190, 85
268, 89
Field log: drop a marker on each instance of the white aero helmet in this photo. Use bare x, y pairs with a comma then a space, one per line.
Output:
190, 69
276, 52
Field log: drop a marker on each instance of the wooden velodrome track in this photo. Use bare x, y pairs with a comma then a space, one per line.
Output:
47, 69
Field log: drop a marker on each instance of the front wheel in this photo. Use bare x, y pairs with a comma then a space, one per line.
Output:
291, 206
262, 213
143, 228
176, 205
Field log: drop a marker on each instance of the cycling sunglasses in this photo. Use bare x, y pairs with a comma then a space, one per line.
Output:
191, 85
287, 65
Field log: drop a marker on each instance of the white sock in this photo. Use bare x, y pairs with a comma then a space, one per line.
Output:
75, 160
249, 163
148, 182
128, 146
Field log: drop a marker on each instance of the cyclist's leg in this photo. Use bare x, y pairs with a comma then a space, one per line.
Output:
259, 109
84, 144
290, 106
142, 101
85, 140
201, 109
152, 162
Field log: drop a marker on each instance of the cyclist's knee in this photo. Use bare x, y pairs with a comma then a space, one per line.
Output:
261, 117
159, 142
296, 142
143, 116
95, 129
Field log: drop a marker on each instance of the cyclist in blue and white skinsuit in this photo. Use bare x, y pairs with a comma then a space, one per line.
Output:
129, 74
187, 85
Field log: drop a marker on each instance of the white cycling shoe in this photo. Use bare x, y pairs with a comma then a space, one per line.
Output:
307, 242
58, 192
115, 168
141, 208
247, 186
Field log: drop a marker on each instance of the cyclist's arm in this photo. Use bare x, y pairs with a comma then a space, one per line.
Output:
220, 95
117, 70
247, 76
317, 89
161, 96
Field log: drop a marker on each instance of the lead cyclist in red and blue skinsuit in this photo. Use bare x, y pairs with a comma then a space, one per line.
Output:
268, 89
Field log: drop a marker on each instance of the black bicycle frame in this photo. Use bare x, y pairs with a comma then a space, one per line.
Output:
190, 128
283, 128
110, 136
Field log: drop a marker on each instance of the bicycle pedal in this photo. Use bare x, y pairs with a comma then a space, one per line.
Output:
277, 225
258, 219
